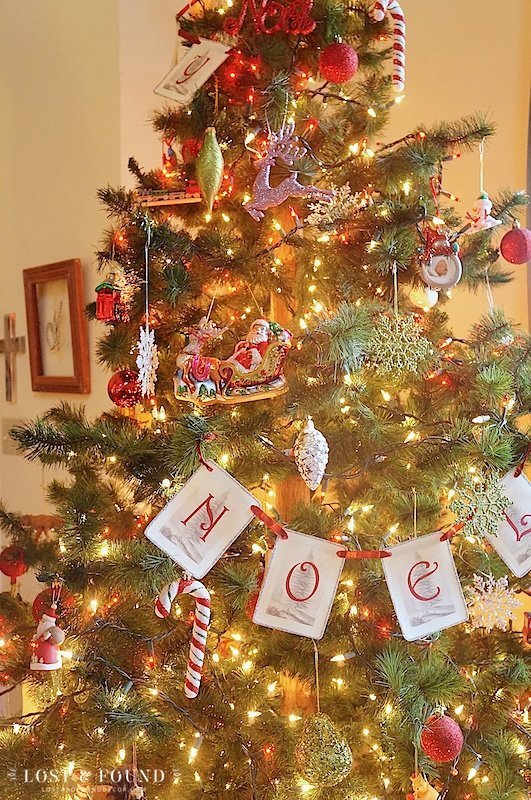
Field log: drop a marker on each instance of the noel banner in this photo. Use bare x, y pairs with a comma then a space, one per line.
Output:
212, 509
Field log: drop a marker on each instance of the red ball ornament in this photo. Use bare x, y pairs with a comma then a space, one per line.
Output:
515, 246
47, 598
441, 739
338, 62
124, 389
12, 563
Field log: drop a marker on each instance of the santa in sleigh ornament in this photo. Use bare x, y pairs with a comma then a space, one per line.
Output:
254, 370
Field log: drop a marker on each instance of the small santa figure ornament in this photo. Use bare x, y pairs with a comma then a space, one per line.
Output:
46, 642
249, 353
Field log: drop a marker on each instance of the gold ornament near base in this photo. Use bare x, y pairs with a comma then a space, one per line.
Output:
322, 756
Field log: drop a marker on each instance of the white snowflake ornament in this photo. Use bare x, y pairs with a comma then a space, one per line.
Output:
147, 361
311, 454
491, 603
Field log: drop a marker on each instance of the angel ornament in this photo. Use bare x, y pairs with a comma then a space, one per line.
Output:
281, 146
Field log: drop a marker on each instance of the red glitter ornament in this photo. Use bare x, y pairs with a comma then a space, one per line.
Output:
49, 597
515, 246
124, 389
12, 563
338, 62
441, 739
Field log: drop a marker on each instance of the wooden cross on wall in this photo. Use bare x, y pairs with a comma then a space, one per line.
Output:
10, 346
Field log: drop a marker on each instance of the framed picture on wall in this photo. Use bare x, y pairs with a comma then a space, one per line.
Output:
57, 328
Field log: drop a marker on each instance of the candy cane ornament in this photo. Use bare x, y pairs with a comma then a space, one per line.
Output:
377, 12
196, 655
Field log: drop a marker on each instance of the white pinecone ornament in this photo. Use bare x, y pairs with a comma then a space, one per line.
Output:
311, 454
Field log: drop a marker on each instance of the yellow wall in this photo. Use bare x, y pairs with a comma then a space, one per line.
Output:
59, 142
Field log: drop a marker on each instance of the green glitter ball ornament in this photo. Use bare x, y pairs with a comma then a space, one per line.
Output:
398, 345
322, 756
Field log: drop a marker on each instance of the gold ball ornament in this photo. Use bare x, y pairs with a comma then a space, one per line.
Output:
423, 297
209, 167
322, 756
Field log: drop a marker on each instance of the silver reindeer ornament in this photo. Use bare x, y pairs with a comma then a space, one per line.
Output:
282, 145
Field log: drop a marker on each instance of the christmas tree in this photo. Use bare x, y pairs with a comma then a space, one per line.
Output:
273, 300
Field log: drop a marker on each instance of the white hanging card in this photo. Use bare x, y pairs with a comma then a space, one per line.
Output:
203, 519
193, 70
513, 539
300, 585
424, 586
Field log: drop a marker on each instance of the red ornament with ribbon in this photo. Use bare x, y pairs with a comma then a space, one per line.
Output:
13, 564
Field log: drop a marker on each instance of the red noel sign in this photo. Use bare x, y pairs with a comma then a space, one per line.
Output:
513, 538
272, 16
300, 585
424, 586
203, 519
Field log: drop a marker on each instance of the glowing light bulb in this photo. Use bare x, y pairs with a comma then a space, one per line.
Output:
386, 396
192, 755
93, 605
406, 187
104, 549
166, 483
252, 714
371, 112
459, 709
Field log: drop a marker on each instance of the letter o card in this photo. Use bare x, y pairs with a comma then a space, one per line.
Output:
513, 539
424, 586
300, 585
203, 519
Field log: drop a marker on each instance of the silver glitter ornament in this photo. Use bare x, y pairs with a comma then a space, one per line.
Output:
311, 454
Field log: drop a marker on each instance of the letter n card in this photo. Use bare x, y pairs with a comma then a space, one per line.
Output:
300, 585
203, 519
513, 539
424, 586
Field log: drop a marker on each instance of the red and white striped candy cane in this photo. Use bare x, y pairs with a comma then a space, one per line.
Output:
196, 655
377, 12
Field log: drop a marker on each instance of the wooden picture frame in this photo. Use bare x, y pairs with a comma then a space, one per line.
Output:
57, 328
